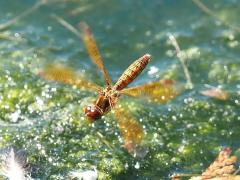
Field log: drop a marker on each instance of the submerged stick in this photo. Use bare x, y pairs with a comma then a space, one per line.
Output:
23, 14
81, 9
104, 140
208, 11
174, 42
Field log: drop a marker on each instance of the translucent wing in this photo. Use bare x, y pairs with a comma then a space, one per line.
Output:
93, 51
159, 91
216, 93
60, 73
131, 131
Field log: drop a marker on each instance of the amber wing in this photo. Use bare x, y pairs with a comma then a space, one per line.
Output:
60, 73
93, 51
160, 91
131, 131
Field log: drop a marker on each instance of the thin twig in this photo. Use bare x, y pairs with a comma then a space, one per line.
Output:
81, 9
66, 25
174, 42
208, 11
23, 14
35, 7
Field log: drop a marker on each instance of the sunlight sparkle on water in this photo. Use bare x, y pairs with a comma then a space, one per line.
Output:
15, 116
137, 165
153, 70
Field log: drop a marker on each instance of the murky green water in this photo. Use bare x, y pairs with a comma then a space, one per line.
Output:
46, 118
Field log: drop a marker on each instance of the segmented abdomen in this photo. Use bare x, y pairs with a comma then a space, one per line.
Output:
132, 72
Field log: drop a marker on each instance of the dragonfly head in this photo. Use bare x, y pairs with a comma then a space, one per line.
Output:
93, 112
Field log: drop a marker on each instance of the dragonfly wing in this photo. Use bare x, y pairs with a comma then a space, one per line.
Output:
160, 91
131, 131
93, 51
216, 93
60, 73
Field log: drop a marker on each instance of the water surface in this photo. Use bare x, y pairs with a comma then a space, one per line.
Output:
45, 118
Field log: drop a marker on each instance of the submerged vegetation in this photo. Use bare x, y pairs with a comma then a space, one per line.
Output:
45, 119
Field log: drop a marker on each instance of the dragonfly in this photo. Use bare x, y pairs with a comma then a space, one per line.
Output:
108, 97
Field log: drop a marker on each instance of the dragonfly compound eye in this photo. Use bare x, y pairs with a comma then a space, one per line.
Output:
92, 112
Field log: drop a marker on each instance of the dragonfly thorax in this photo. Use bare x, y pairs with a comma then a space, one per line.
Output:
106, 100
109, 93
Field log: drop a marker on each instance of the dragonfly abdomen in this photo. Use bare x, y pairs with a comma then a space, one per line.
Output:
132, 72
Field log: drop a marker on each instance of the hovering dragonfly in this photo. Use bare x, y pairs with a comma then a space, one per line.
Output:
159, 91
